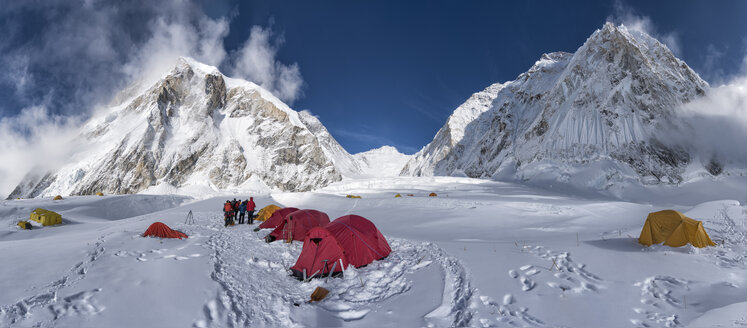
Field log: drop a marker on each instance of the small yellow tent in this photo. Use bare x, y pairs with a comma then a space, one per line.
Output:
673, 229
45, 217
58, 197
26, 225
99, 194
433, 194
397, 195
353, 196
266, 212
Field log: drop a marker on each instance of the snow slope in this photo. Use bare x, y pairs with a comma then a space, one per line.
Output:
596, 112
481, 253
385, 161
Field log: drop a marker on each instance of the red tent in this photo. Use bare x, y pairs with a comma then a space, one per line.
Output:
295, 225
350, 239
161, 230
276, 218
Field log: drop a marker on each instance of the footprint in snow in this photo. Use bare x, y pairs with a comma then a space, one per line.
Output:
527, 284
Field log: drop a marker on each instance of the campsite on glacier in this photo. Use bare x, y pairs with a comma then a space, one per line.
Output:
525, 209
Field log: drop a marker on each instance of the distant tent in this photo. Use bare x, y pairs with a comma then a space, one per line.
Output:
353, 196
348, 240
58, 197
161, 230
410, 195
276, 218
26, 225
266, 212
295, 225
433, 194
99, 194
673, 229
45, 217
397, 196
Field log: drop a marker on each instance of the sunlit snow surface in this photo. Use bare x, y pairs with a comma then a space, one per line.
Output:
481, 253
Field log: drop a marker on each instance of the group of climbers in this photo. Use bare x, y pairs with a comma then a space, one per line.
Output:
237, 210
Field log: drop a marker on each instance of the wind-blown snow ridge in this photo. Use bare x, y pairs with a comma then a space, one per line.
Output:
594, 113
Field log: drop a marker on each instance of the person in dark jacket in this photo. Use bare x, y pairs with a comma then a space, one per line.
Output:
250, 210
235, 209
242, 212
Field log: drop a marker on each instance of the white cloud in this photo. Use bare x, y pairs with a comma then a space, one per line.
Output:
256, 62
713, 126
173, 37
33, 139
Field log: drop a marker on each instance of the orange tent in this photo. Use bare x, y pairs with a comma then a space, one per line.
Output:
161, 230
673, 229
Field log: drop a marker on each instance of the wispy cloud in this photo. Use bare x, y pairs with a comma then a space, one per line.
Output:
256, 61
713, 126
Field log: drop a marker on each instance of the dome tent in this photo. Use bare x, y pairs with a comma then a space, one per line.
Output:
673, 229
276, 218
161, 230
45, 217
296, 224
348, 240
266, 212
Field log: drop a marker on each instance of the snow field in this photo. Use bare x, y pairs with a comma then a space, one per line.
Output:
480, 254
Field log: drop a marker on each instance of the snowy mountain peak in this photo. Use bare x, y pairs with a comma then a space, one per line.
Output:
196, 131
602, 103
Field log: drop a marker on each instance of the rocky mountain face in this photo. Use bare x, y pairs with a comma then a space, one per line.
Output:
597, 109
449, 136
196, 128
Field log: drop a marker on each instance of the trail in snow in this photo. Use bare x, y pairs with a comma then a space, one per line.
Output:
256, 289
48, 301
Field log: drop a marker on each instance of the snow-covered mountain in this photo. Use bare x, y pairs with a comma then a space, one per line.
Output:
424, 161
386, 161
196, 130
592, 115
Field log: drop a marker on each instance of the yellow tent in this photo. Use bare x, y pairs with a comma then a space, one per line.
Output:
58, 197
45, 217
397, 195
674, 229
266, 212
25, 225
353, 196
99, 194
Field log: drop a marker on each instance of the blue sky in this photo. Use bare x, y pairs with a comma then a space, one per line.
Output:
375, 73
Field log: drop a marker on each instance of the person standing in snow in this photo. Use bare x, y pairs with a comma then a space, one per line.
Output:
227, 213
250, 210
235, 209
242, 211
